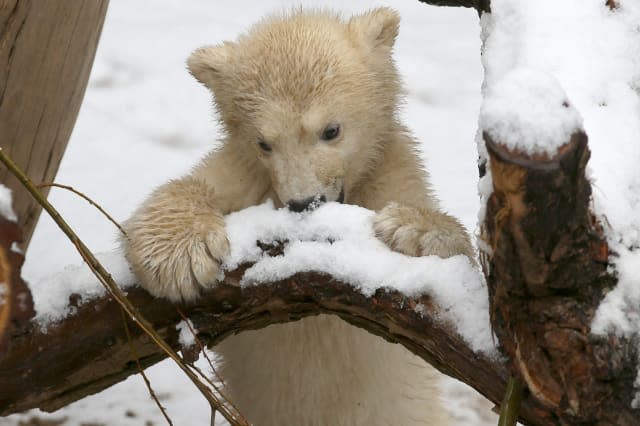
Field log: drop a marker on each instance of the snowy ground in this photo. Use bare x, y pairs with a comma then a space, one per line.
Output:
145, 120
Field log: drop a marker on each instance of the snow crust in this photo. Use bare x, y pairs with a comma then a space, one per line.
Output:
6, 206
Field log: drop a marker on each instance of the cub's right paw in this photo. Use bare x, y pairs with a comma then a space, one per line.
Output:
175, 242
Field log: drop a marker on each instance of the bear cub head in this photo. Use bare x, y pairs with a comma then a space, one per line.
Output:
310, 96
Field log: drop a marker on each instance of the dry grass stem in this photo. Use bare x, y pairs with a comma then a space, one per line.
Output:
88, 199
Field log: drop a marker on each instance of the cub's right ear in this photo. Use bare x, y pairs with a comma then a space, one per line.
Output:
208, 63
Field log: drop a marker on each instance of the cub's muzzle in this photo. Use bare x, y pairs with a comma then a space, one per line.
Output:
311, 203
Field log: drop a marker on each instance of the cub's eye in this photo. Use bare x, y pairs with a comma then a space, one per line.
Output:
330, 132
264, 146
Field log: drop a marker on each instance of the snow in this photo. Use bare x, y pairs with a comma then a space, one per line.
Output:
147, 121
527, 110
339, 240
186, 338
51, 295
6, 206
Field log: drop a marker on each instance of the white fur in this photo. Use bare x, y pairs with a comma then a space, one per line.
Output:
323, 371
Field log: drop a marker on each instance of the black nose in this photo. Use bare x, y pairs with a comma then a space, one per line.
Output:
306, 204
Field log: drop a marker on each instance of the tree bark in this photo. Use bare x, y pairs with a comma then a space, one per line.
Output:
547, 273
46, 52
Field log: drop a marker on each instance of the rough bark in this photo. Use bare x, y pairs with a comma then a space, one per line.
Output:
46, 52
547, 274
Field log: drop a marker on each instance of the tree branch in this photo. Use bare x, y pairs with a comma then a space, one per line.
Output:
91, 352
547, 273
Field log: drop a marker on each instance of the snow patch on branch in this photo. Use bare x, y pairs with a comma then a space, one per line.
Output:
338, 240
528, 111
186, 337
334, 239
52, 296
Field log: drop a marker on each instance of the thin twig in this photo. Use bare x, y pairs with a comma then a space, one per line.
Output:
234, 418
89, 200
134, 352
510, 403
200, 345
202, 348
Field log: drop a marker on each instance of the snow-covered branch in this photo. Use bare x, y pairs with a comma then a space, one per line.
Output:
91, 352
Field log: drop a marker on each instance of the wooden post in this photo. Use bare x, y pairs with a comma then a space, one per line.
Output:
46, 52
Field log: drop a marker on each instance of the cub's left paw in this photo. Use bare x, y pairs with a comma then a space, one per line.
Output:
421, 232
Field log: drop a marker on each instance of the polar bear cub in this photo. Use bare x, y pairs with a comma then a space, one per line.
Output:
308, 102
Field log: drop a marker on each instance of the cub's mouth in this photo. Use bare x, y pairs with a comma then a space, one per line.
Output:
311, 203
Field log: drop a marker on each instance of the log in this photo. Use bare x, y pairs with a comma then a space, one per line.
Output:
546, 274
91, 352
46, 53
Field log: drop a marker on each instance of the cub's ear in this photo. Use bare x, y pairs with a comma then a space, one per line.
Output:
208, 63
376, 29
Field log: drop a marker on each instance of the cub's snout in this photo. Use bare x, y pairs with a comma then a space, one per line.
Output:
311, 203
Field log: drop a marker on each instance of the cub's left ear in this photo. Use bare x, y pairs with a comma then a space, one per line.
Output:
376, 29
